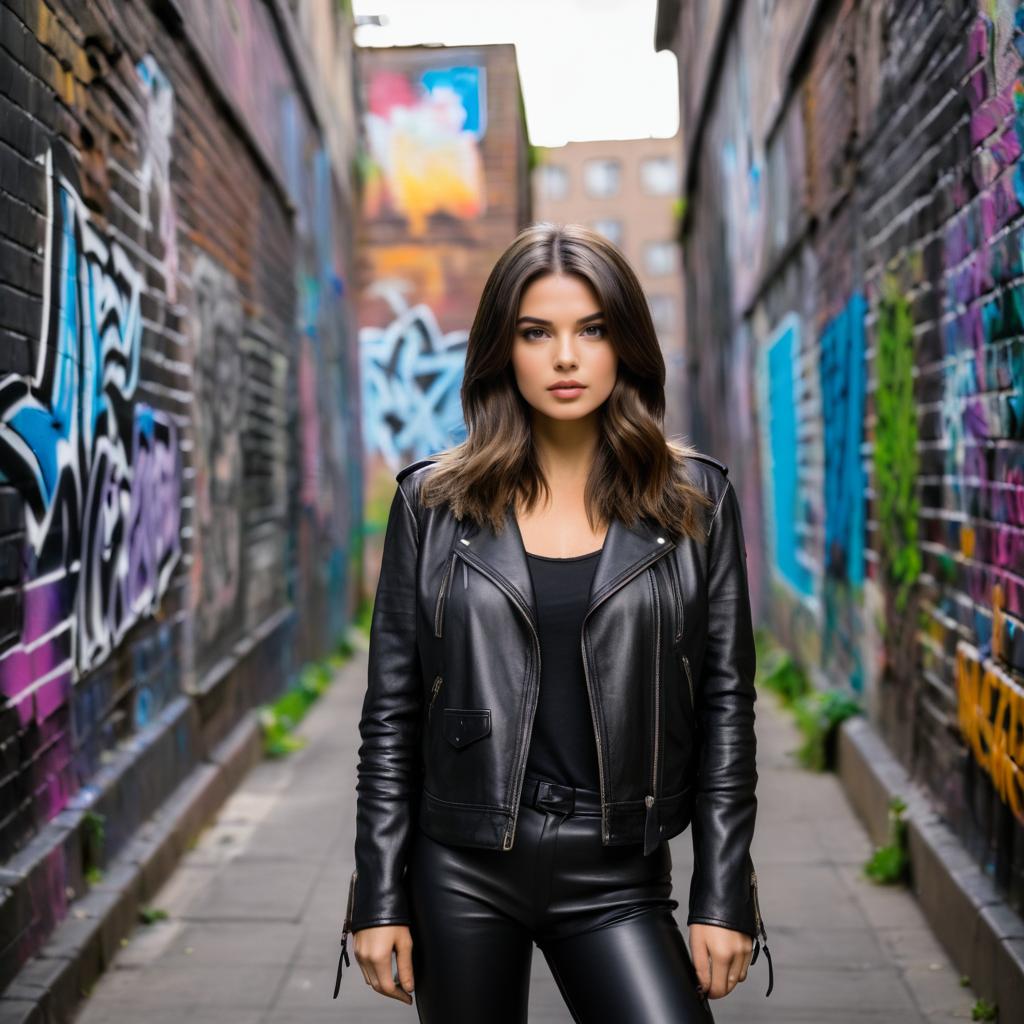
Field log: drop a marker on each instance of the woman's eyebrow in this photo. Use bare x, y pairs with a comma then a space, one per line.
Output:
547, 323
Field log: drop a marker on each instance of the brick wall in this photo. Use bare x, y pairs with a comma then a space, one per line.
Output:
446, 191
179, 498
854, 249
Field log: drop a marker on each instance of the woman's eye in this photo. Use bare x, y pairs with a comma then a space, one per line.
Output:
591, 331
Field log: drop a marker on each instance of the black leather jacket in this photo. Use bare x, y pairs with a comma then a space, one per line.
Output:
668, 653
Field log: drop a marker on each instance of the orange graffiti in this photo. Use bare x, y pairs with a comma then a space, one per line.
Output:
967, 540
998, 622
990, 714
424, 140
425, 266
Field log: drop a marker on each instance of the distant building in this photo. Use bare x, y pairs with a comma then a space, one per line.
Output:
445, 190
627, 190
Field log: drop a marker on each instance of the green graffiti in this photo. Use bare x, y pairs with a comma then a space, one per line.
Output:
895, 455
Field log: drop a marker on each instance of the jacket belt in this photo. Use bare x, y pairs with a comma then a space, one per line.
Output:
545, 795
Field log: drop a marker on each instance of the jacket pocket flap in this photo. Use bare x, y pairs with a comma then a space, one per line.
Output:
464, 725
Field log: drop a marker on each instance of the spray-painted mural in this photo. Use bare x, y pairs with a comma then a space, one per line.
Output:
841, 369
895, 447
445, 192
155, 172
876, 264
180, 459
991, 720
325, 547
842, 374
99, 471
781, 451
218, 394
411, 375
424, 133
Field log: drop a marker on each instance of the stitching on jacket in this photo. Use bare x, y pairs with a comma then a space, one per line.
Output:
462, 803
415, 521
718, 507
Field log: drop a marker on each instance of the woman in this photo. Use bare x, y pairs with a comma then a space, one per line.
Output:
561, 678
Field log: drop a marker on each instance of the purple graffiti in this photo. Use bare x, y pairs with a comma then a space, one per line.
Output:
99, 472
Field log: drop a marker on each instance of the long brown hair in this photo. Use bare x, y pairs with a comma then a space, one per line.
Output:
637, 471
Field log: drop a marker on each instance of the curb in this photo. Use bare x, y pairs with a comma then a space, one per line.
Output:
982, 934
51, 985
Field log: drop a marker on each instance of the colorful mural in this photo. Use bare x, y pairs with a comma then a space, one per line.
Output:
411, 374
180, 467
875, 258
424, 132
787, 506
98, 469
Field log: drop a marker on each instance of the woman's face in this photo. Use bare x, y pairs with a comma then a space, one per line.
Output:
561, 336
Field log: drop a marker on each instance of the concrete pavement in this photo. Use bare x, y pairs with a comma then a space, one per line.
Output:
255, 909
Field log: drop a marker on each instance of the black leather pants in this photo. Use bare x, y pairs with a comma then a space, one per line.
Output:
601, 915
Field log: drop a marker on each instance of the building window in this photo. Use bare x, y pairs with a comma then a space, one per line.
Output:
611, 229
601, 178
663, 313
659, 176
660, 257
553, 182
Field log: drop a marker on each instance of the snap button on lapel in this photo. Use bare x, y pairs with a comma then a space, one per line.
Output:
661, 540
464, 541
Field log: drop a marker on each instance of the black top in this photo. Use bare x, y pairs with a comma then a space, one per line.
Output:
563, 747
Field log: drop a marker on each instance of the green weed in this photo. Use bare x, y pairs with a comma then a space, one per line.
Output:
818, 715
889, 864
280, 718
93, 841
984, 1010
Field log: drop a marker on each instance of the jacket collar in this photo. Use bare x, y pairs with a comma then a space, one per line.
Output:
627, 550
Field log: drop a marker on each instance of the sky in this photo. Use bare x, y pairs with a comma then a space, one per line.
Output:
588, 68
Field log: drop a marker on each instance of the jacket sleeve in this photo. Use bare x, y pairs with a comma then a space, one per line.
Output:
388, 773
725, 805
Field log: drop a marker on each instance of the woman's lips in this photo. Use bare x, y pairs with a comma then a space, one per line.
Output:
570, 392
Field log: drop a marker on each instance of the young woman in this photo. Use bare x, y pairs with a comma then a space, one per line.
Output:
561, 678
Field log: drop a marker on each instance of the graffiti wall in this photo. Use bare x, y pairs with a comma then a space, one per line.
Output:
179, 493
424, 130
853, 250
446, 190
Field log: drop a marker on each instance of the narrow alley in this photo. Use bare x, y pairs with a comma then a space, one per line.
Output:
255, 910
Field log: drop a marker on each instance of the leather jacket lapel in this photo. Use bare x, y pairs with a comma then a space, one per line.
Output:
626, 549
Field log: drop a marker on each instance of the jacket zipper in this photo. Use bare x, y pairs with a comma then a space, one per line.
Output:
763, 936
680, 621
433, 695
441, 595
650, 818
344, 932
520, 764
605, 831
689, 683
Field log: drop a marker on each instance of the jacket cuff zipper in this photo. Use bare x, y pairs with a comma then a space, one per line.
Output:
761, 938
344, 932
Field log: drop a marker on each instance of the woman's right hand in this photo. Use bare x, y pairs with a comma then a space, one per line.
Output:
373, 948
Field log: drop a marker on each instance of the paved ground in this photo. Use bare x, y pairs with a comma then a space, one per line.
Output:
255, 910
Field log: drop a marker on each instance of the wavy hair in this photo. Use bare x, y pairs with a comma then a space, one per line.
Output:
637, 471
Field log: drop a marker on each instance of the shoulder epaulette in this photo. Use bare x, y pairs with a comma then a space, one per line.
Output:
714, 462
406, 470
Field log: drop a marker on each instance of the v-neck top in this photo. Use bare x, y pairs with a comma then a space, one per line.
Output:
563, 747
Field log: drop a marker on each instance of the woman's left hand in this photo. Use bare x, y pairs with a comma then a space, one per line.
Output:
721, 957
